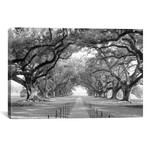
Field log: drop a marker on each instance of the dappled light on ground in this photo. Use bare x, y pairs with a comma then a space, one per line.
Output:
79, 91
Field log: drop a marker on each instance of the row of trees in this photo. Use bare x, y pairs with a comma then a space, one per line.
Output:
118, 64
60, 82
34, 52
41, 58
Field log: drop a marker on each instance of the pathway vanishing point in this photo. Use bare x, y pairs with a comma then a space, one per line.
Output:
79, 110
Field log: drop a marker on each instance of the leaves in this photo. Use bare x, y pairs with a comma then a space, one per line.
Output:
43, 56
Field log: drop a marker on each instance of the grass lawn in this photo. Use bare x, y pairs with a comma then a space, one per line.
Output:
60, 107
105, 108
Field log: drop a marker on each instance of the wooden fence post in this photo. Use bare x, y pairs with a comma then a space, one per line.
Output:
101, 114
56, 114
63, 112
96, 113
60, 112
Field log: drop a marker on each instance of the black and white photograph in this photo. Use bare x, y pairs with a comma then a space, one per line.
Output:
75, 73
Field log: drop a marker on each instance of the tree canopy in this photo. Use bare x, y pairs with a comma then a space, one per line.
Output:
43, 57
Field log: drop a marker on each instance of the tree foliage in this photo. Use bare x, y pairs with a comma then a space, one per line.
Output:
43, 58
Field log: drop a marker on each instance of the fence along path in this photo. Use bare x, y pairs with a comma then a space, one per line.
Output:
79, 110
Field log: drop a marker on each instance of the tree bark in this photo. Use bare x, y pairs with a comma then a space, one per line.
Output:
28, 94
115, 90
31, 92
105, 95
114, 93
46, 94
54, 94
126, 93
96, 95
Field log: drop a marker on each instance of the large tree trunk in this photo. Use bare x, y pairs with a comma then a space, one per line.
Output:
54, 94
102, 94
105, 95
28, 94
32, 93
114, 93
95, 94
46, 94
126, 93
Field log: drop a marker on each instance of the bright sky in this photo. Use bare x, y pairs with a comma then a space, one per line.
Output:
132, 69
79, 91
84, 53
11, 82
15, 84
